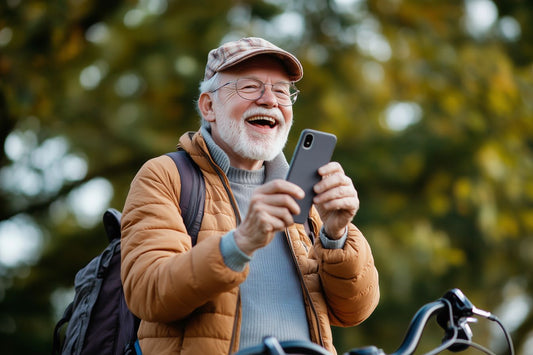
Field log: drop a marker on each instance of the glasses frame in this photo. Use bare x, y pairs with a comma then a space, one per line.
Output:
292, 97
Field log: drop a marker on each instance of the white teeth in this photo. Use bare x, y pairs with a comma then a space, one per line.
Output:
262, 118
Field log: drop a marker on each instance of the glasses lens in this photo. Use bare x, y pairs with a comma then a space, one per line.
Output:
252, 89
249, 89
285, 92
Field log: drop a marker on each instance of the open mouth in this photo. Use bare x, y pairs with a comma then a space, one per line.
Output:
262, 121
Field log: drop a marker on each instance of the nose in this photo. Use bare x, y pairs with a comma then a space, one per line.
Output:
268, 98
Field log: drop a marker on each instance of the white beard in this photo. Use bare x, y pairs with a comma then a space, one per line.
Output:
252, 145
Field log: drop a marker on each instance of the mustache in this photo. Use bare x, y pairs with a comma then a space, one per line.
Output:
261, 111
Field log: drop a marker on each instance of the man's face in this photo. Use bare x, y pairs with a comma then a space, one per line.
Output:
251, 131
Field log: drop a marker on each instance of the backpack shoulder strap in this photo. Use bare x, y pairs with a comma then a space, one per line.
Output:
192, 198
111, 220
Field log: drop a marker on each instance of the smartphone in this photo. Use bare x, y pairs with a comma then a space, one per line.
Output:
314, 149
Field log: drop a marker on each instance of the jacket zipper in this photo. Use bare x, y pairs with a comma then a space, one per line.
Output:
221, 175
234, 330
304, 287
238, 305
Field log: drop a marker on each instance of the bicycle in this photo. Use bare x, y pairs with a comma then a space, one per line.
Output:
453, 312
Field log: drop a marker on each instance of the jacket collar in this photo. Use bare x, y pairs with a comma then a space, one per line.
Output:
201, 141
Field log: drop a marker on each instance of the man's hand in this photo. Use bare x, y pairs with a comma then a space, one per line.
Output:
271, 209
336, 199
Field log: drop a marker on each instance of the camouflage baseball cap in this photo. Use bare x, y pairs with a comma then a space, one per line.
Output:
235, 52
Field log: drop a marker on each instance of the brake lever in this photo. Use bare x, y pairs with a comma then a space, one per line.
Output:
461, 314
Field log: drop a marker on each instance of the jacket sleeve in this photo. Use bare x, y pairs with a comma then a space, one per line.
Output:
349, 279
164, 278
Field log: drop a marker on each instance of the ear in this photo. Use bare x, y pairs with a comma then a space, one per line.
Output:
205, 105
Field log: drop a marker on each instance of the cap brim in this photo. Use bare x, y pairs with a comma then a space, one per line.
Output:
292, 64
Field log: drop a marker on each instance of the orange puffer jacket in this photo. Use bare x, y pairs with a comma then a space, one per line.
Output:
188, 299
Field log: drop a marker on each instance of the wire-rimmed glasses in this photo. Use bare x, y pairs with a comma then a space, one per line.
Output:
252, 89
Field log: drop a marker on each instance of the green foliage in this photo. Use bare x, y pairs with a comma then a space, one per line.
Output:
435, 126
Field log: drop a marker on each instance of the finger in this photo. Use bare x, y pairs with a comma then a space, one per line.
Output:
277, 193
275, 204
337, 192
270, 218
330, 168
279, 186
349, 203
329, 182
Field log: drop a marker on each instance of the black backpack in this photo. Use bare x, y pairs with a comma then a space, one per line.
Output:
99, 321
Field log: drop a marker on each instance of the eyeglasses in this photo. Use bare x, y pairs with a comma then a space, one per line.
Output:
252, 89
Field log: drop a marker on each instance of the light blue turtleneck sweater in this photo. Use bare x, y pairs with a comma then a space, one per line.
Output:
271, 297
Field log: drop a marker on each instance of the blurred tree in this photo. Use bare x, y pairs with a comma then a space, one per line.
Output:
432, 106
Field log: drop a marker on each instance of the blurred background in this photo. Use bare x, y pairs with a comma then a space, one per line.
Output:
431, 101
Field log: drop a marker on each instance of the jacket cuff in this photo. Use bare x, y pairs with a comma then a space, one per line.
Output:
328, 243
234, 258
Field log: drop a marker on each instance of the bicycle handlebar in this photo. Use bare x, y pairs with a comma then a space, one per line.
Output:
453, 313
271, 346
414, 332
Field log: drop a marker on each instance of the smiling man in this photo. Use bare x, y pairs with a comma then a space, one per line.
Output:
253, 272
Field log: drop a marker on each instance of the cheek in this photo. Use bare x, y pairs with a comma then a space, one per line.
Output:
232, 106
228, 97
287, 114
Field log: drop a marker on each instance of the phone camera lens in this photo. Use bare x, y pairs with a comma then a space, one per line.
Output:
308, 140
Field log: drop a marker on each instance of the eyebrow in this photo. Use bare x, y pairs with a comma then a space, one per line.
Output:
256, 78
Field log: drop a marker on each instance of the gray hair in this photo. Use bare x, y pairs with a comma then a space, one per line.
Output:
206, 86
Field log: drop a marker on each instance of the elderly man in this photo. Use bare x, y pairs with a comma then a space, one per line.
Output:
253, 272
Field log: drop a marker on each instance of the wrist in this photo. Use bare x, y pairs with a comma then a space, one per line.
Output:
243, 243
330, 243
233, 256
334, 235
